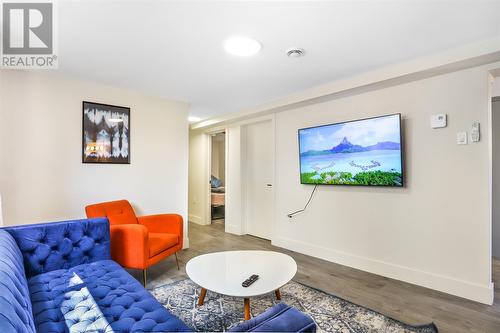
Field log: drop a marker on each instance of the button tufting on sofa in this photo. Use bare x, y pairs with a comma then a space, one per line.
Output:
83, 291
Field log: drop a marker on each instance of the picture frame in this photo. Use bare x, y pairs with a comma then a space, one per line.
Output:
105, 133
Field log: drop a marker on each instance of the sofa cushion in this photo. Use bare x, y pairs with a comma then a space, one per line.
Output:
279, 318
52, 246
15, 305
52, 284
159, 242
99, 296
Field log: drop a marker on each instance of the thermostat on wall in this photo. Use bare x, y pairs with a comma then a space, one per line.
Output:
438, 120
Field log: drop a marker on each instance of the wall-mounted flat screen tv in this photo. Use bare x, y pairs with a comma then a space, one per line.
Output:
360, 152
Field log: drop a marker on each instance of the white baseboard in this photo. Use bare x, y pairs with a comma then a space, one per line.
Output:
476, 292
195, 219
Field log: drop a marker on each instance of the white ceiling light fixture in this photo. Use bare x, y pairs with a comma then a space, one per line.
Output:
295, 52
242, 46
193, 119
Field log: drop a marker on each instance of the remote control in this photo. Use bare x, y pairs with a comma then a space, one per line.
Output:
250, 280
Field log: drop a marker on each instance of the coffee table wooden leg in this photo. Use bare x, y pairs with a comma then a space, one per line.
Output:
201, 299
278, 294
247, 308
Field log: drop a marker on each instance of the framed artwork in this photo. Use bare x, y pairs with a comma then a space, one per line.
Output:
105, 133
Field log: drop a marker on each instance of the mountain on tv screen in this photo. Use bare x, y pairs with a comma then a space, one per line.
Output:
360, 152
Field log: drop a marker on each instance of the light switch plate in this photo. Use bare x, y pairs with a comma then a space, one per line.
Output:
461, 138
474, 132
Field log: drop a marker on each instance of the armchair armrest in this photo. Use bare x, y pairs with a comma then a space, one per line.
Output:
129, 245
166, 223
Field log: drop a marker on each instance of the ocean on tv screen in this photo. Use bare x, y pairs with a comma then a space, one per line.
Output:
363, 152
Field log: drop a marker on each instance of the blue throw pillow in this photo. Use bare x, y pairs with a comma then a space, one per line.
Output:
215, 182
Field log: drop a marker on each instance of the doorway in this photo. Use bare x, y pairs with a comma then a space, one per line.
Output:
259, 178
218, 178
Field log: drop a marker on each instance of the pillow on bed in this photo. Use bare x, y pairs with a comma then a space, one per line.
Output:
215, 182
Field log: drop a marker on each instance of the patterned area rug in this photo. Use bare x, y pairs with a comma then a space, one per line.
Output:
331, 314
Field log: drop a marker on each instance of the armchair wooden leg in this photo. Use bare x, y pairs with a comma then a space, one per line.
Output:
144, 277
177, 261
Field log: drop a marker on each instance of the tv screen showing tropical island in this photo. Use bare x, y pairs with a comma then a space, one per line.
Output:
360, 152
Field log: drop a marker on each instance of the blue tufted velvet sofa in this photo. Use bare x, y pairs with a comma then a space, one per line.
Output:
58, 277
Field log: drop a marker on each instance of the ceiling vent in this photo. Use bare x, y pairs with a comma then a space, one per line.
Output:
295, 52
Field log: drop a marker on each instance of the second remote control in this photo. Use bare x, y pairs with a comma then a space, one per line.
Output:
250, 280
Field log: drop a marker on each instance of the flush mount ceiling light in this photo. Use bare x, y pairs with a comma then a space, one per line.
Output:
242, 46
193, 119
295, 52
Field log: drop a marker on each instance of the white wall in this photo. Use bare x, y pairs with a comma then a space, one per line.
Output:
235, 185
42, 177
495, 87
435, 232
214, 169
218, 168
222, 158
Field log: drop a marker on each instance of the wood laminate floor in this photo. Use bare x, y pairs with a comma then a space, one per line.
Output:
403, 301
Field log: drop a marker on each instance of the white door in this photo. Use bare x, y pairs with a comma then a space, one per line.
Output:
259, 179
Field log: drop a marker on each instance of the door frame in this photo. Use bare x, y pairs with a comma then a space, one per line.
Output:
492, 74
208, 190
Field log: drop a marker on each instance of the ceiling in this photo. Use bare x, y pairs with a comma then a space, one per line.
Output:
174, 49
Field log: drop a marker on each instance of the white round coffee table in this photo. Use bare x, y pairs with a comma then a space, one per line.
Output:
223, 273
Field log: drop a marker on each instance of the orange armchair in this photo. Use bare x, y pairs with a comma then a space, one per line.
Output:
139, 242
